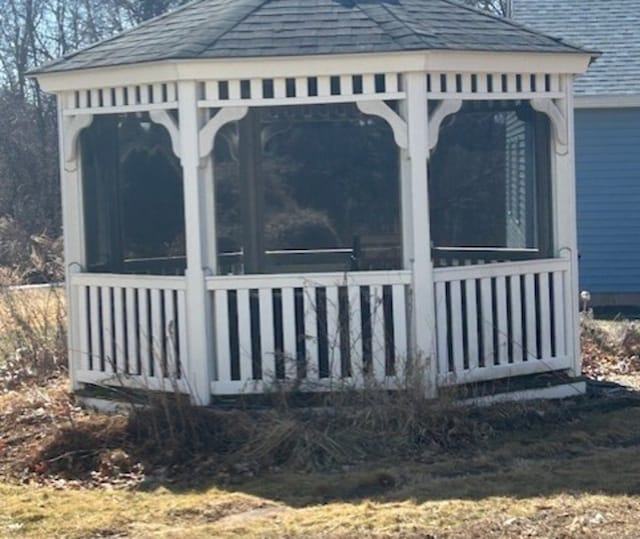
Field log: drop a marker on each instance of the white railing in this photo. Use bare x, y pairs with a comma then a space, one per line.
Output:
314, 332
129, 331
502, 320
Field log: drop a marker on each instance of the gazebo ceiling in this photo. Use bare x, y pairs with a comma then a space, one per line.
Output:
214, 29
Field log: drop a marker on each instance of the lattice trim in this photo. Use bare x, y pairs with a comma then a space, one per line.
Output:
131, 98
493, 85
321, 89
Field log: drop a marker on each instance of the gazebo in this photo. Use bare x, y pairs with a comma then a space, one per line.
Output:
315, 194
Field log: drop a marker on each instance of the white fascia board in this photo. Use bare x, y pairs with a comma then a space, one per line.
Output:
606, 101
323, 65
508, 62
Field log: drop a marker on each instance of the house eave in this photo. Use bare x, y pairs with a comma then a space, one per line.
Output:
295, 66
607, 101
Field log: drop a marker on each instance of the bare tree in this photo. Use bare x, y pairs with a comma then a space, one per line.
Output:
498, 7
33, 32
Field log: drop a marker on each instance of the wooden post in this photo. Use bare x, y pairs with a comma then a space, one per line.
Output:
74, 232
565, 224
199, 356
416, 227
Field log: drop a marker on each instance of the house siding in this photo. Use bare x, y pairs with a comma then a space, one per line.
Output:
608, 188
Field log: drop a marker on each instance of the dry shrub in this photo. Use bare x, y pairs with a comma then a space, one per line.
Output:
78, 449
31, 258
171, 431
196, 443
33, 335
609, 348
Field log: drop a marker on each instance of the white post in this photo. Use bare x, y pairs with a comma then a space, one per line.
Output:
416, 226
565, 224
199, 356
74, 233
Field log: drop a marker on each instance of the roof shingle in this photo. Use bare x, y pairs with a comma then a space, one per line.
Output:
206, 29
611, 26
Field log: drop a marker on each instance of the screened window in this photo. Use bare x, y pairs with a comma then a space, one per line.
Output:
311, 188
133, 200
489, 181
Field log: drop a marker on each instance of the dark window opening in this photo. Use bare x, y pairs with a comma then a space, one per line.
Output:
133, 199
307, 188
489, 184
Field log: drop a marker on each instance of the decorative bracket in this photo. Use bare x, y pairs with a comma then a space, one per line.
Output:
208, 133
166, 120
382, 110
558, 119
444, 109
71, 129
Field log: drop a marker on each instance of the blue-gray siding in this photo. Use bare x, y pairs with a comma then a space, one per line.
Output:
608, 183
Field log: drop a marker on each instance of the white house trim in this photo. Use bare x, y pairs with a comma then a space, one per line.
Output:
606, 101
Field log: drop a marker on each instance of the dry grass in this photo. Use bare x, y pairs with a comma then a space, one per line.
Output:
400, 467
33, 335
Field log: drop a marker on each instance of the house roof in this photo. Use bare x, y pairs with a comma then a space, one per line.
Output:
208, 29
611, 26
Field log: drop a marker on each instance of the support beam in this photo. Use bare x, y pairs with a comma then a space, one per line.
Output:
564, 213
199, 368
166, 120
70, 128
444, 109
558, 114
416, 227
384, 111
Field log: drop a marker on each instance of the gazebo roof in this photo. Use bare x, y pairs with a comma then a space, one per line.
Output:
213, 29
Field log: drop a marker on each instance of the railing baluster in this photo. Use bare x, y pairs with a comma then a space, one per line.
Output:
502, 323
83, 325
378, 357
333, 332
120, 345
545, 315
311, 333
355, 334
170, 334
223, 349
472, 323
517, 346
157, 333
530, 316
442, 328
267, 342
457, 345
559, 313
289, 333
146, 355
487, 321
400, 330
96, 351
244, 335
132, 332
107, 330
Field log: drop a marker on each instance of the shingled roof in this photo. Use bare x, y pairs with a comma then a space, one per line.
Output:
612, 26
207, 29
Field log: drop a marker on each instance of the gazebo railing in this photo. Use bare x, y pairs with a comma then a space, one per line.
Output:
129, 331
502, 320
314, 332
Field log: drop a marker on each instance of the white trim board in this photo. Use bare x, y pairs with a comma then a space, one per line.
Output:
606, 101
300, 66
